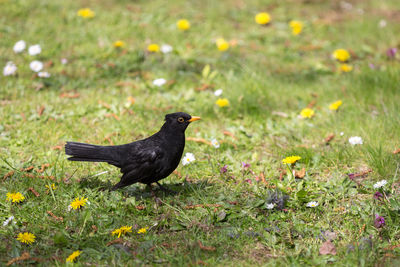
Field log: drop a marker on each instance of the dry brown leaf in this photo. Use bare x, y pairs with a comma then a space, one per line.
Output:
55, 217
41, 110
104, 104
28, 169
204, 247
60, 147
34, 191
70, 95
397, 151
113, 115
8, 174
230, 134
23, 257
329, 138
300, 174
312, 103
204, 87
198, 140
140, 207
327, 248
44, 166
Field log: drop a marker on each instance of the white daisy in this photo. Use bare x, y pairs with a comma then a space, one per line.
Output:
34, 50
341, 133
159, 82
270, 206
380, 184
19, 46
9, 69
215, 143
188, 158
36, 66
355, 140
218, 92
166, 48
312, 204
10, 219
44, 74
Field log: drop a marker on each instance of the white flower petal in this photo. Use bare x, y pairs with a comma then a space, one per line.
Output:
159, 82
165, 48
218, 92
355, 140
19, 46
34, 50
9, 69
36, 66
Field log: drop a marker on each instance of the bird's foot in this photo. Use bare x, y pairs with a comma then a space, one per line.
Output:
165, 189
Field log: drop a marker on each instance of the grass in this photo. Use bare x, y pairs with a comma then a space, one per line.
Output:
215, 218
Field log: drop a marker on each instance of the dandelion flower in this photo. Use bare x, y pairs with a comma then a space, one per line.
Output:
297, 27
355, 140
26, 237
307, 113
86, 13
335, 105
119, 44
44, 74
9, 69
183, 24
142, 230
380, 184
122, 230
345, 68
19, 46
270, 206
15, 197
36, 65
222, 45
215, 143
222, 102
218, 92
153, 48
341, 54
262, 18
291, 159
52, 186
166, 48
73, 256
78, 203
188, 158
34, 50
312, 204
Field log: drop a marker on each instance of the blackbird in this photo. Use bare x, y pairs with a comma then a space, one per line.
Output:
145, 161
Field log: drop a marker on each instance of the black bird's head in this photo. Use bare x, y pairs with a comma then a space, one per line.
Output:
178, 121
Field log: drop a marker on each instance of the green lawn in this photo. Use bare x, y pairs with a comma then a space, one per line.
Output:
105, 95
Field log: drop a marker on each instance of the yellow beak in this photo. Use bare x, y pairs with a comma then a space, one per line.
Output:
194, 118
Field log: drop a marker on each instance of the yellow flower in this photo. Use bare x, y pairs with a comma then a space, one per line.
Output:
119, 44
123, 230
26, 237
335, 105
86, 13
15, 197
341, 54
53, 186
183, 24
142, 230
262, 18
307, 113
73, 256
291, 159
222, 102
222, 45
153, 48
345, 68
297, 27
78, 203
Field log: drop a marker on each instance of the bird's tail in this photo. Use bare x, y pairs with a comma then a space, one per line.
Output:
88, 152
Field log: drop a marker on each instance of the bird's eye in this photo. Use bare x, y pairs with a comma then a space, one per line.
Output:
181, 119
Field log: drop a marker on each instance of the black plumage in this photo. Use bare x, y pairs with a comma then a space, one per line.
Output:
145, 161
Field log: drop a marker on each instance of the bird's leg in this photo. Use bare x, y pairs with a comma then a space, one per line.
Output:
164, 188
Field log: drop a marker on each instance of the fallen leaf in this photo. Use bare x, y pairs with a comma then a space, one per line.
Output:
140, 207
41, 110
300, 174
329, 138
113, 115
312, 103
23, 257
397, 151
204, 247
34, 191
44, 166
229, 134
107, 106
198, 140
55, 217
204, 87
70, 95
8, 174
57, 147
327, 248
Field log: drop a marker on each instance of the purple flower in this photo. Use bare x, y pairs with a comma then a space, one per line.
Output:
248, 181
391, 52
371, 66
224, 169
378, 195
245, 165
351, 176
379, 221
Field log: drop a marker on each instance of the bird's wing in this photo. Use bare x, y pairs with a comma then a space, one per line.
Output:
142, 160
